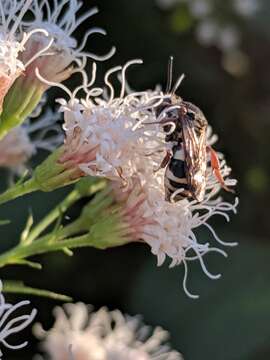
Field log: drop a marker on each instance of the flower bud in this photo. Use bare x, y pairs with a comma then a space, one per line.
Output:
50, 174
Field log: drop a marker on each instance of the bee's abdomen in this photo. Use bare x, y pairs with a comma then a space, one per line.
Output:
175, 177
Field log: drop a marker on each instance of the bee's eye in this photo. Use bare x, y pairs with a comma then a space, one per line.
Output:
191, 115
167, 128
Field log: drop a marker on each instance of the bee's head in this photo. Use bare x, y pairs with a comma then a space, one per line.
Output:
193, 112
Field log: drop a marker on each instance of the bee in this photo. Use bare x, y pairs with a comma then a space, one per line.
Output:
185, 127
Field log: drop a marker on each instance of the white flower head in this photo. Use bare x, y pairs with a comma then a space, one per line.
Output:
99, 133
10, 325
60, 20
102, 335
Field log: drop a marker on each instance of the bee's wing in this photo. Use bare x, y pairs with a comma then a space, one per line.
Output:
194, 144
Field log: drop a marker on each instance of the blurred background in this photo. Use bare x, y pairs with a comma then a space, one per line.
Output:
223, 47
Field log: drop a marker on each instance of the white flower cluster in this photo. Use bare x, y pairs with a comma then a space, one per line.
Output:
99, 135
102, 335
247, 7
213, 28
11, 325
118, 138
203, 8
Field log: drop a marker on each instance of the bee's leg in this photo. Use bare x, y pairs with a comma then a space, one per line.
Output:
216, 168
165, 161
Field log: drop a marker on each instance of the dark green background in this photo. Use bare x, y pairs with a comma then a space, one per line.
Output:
231, 319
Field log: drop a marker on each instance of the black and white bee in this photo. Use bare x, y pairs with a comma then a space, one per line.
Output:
186, 162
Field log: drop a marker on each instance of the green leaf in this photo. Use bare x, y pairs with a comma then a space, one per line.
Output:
67, 251
18, 287
33, 265
28, 226
256, 179
23, 177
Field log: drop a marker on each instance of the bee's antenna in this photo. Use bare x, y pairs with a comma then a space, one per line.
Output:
178, 83
169, 76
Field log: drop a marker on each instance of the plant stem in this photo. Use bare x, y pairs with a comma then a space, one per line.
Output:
101, 232
60, 209
53, 215
19, 190
44, 245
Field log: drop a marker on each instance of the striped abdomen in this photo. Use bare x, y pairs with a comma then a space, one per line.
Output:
175, 176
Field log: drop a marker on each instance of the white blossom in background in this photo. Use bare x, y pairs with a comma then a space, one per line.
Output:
247, 7
209, 32
229, 38
167, 4
22, 142
203, 8
16, 148
215, 27
13, 42
200, 8
11, 324
102, 335
206, 32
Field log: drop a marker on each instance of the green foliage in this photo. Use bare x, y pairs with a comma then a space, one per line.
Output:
257, 179
99, 225
181, 20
